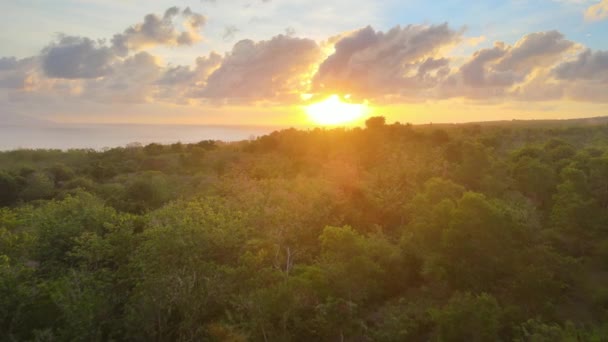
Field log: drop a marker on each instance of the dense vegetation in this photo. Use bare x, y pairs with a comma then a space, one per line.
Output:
388, 233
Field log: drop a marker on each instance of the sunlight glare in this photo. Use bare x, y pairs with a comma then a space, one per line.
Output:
334, 111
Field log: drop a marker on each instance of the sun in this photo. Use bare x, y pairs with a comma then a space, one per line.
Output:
334, 111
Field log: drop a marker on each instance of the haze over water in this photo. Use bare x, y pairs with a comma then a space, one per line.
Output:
99, 136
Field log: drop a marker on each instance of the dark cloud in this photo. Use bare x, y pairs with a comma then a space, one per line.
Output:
477, 72
17, 73
370, 62
589, 65
431, 64
177, 75
187, 75
79, 67
8, 63
82, 58
493, 72
584, 78
76, 57
179, 83
533, 50
157, 30
229, 32
290, 31
503, 66
133, 80
267, 70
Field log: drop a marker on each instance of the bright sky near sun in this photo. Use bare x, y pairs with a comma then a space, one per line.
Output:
254, 62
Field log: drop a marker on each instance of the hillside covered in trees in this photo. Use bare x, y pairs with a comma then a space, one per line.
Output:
391, 232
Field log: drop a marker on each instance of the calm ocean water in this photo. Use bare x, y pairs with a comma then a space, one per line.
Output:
65, 136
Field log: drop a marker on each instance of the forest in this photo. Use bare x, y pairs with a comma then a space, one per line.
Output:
388, 232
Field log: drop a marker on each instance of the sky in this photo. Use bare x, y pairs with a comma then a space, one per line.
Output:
261, 62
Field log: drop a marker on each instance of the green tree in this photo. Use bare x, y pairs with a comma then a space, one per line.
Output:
575, 216
57, 224
534, 179
9, 189
181, 269
375, 122
468, 317
38, 186
148, 191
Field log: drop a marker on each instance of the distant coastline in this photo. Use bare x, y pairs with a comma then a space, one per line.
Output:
100, 136
53, 135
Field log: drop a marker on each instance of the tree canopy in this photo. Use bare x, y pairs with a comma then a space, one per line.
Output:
392, 232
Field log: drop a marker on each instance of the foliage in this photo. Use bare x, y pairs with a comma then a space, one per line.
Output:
484, 232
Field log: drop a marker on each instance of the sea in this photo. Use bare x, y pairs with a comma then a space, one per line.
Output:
102, 136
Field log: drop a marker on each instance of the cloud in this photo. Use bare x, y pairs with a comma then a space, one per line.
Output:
81, 68
368, 62
132, 81
589, 65
179, 83
584, 78
492, 72
404, 64
72, 57
534, 50
230, 32
76, 57
273, 70
540, 87
157, 30
597, 12
17, 73
7, 63
477, 73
